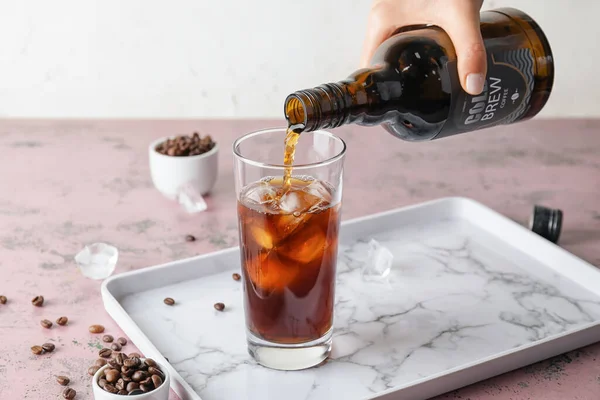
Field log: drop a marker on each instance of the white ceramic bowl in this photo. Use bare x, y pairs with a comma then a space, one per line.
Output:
162, 393
170, 173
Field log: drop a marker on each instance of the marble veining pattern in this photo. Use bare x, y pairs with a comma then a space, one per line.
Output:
450, 299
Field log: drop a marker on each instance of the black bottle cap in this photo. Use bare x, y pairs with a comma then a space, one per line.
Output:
546, 222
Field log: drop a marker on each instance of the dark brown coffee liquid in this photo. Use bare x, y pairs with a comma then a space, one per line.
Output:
289, 252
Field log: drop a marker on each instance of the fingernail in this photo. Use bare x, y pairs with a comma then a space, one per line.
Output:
475, 83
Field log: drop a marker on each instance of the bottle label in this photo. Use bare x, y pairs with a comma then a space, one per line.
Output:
505, 97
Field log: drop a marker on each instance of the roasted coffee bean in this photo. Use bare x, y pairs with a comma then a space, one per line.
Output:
137, 355
115, 346
219, 306
120, 359
190, 238
3, 299
150, 362
169, 301
126, 371
38, 301
96, 329
146, 388
122, 341
107, 338
105, 353
236, 276
93, 369
101, 362
46, 323
62, 380
156, 380
48, 347
139, 376
132, 362
110, 388
127, 379
69, 393
156, 371
132, 386
102, 382
136, 391
37, 350
62, 321
147, 381
120, 384
113, 363
122, 392
143, 366
112, 375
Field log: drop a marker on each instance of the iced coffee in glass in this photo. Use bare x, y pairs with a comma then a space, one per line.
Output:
289, 221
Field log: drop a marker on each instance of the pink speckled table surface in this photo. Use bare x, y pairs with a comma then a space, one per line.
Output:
64, 184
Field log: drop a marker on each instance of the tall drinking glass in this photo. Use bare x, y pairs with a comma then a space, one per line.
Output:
288, 245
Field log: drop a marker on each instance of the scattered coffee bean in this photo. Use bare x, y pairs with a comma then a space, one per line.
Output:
93, 369
96, 329
48, 347
112, 375
122, 392
122, 341
169, 301
115, 346
132, 362
107, 338
3, 299
181, 146
62, 321
132, 386
105, 353
236, 276
136, 391
110, 388
69, 393
156, 380
102, 382
38, 301
219, 306
134, 355
101, 362
150, 362
37, 350
46, 323
190, 238
62, 380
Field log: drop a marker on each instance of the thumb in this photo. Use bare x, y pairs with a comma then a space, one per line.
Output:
470, 51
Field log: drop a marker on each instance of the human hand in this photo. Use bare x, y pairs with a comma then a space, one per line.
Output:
459, 18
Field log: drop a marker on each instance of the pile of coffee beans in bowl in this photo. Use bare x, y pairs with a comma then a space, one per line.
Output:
129, 376
183, 146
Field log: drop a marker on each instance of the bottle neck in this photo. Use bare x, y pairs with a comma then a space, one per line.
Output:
323, 107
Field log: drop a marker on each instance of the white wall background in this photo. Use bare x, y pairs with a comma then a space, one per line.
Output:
226, 58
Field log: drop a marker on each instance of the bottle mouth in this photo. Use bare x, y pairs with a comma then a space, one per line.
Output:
295, 112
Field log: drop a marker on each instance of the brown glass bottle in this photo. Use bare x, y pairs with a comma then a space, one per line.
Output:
413, 89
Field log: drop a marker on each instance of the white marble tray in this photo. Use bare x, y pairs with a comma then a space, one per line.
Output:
472, 294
